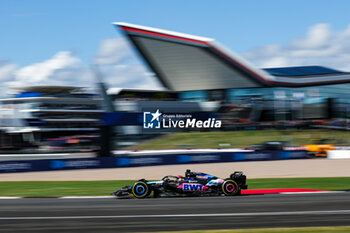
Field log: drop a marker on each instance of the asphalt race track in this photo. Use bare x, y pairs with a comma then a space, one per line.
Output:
171, 214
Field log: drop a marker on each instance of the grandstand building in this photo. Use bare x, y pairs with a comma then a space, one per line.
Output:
45, 112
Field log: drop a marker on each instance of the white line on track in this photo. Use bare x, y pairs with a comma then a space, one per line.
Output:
108, 197
317, 192
28, 155
85, 197
321, 212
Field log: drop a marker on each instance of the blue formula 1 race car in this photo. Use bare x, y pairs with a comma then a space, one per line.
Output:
192, 184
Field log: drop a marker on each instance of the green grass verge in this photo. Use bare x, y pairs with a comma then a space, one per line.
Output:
92, 188
323, 183
345, 229
242, 138
60, 188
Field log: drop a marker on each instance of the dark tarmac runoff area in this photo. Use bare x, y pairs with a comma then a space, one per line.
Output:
173, 214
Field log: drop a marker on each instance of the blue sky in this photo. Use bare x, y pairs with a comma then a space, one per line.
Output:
36, 31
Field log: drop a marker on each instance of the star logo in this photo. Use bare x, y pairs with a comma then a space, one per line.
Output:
151, 120
156, 115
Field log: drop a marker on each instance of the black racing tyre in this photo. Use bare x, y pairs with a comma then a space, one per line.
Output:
140, 189
230, 188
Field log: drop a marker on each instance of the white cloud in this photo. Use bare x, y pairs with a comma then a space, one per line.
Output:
121, 68
320, 46
64, 68
317, 37
118, 64
7, 71
61, 63
129, 76
113, 51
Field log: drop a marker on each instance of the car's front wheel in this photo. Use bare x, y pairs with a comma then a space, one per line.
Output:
140, 189
230, 188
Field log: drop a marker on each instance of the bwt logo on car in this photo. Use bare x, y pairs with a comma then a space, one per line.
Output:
192, 187
153, 120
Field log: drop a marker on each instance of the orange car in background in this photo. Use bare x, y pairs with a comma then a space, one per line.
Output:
319, 148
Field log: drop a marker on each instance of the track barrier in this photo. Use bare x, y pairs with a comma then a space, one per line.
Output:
146, 160
338, 154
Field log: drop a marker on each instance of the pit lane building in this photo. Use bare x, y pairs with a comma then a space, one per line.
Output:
200, 69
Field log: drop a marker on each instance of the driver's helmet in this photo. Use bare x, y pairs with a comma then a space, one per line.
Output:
190, 174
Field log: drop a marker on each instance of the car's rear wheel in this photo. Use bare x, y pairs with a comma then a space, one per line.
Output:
230, 188
140, 189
